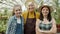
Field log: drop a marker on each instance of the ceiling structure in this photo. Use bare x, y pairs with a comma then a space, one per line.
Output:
10, 3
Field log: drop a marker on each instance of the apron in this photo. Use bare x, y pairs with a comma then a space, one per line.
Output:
30, 25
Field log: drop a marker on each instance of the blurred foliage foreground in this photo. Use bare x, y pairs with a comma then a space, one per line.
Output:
3, 21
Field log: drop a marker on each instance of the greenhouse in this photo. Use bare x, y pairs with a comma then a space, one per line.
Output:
6, 8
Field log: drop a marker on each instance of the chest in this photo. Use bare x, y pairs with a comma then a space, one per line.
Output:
44, 26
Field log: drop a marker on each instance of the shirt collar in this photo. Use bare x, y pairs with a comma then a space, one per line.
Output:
16, 17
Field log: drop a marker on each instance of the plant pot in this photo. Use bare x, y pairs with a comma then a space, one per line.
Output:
2, 32
58, 28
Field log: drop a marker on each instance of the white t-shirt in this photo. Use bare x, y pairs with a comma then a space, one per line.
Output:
18, 20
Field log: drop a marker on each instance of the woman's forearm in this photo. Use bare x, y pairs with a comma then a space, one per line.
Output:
47, 32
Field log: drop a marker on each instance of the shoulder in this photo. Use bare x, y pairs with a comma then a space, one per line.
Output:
24, 12
37, 13
38, 21
53, 20
22, 18
11, 18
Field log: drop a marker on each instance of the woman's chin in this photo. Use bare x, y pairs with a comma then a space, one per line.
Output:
18, 15
45, 15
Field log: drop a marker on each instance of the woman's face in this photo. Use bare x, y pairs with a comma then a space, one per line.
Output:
31, 7
18, 11
45, 11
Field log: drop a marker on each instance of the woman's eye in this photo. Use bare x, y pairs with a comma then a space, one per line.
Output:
16, 10
19, 9
47, 9
43, 9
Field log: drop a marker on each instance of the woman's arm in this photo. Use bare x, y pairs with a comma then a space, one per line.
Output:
8, 25
22, 25
37, 29
54, 28
37, 26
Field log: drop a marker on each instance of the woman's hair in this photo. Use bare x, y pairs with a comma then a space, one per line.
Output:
41, 15
14, 9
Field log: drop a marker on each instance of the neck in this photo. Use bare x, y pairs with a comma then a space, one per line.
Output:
45, 17
18, 16
31, 12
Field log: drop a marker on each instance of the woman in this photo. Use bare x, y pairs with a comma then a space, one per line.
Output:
15, 23
46, 24
30, 19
